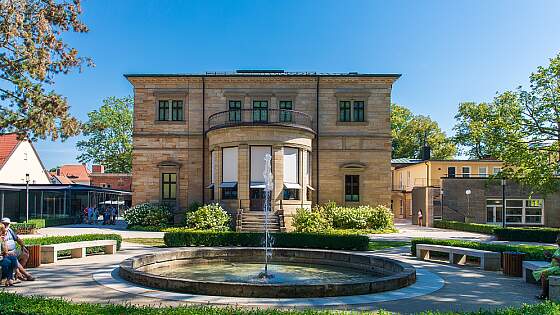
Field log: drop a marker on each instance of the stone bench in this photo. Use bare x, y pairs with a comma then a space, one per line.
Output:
458, 255
77, 249
531, 265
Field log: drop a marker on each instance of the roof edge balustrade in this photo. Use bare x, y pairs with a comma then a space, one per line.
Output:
260, 117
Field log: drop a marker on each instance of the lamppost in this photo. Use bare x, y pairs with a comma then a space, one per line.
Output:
468, 193
503, 202
441, 202
26, 197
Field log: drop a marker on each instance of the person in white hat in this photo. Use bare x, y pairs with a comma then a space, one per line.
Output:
21, 253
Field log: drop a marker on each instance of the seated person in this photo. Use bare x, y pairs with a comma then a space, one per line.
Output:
542, 274
22, 253
7, 262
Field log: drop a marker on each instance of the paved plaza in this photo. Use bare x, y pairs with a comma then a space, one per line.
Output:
93, 279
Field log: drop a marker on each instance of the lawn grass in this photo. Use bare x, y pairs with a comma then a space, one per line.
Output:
155, 242
377, 245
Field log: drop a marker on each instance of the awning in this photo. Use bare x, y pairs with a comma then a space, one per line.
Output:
292, 186
310, 188
259, 185
210, 186
228, 185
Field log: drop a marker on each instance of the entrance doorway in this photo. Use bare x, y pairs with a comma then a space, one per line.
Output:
257, 197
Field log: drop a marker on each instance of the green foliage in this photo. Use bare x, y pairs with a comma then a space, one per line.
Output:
209, 217
23, 228
148, 214
467, 227
149, 228
533, 252
183, 237
13, 304
329, 216
108, 135
409, 131
470, 130
46, 222
33, 53
527, 234
195, 205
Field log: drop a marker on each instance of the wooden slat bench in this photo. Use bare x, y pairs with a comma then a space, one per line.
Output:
458, 255
77, 249
531, 265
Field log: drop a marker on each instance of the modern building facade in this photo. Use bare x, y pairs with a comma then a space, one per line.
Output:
203, 138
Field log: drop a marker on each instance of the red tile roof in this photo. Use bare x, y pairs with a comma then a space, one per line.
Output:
75, 172
8, 144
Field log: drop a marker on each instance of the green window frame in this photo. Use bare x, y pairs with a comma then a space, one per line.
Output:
260, 111
169, 186
358, 110
286, 108
344, 111
234, 108
163, 110
176, 110
352, 188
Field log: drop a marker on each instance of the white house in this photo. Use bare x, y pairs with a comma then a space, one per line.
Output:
18, 157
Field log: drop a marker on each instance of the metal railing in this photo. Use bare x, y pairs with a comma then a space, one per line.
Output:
260, 116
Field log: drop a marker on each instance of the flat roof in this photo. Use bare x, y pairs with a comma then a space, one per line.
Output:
265, 73
74, 187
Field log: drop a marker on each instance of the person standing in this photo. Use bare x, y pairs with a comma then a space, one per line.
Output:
89, 215
420, 217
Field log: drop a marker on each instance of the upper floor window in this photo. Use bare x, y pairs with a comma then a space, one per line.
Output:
170, 110
358, 110
482, 171
344, 111
234, 110
496, 170
260, 111
466, 171
169, 186
285, 111
352, 188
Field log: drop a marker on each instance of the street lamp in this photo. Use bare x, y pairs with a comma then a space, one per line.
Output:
503, 202
468, 193
26, 197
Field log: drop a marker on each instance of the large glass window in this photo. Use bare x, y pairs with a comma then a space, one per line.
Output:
352, 188
234, 110
518, 211
291, 194
344, 111
285, 111
260, 111
358, 110
170, 110
229, 193
169, 186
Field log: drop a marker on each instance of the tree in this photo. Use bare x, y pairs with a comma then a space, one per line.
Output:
109, 136
32, 53
525, 130
410, 132
471, 129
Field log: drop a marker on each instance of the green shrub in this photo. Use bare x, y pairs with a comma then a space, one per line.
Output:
23, 228
149, 228
182, 237
46, 222
195, 205
527, 234
310, 221
467, 227
533, 252
13, 304
49, 240
209, 217
149, 214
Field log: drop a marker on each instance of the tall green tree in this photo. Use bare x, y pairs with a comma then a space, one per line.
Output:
108, 135
525, 130
410, 132
32, 53
471, 132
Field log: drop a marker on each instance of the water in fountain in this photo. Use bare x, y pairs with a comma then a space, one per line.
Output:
268, 184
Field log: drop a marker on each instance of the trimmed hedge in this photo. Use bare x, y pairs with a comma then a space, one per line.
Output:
42, 223
49, 240
533, 252
527, 234
23, 228
181, 237
13, 304
467, 227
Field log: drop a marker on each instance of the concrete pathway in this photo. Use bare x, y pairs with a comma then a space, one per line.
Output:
408, 231
465, 288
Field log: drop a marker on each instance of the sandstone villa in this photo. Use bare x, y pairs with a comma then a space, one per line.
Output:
203, 137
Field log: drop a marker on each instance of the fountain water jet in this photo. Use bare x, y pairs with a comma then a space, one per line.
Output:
268, 185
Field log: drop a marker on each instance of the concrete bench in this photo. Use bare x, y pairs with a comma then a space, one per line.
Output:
531, 265
77, 249
458, 255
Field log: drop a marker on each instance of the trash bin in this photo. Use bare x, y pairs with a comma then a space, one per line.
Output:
513, 263
34, 256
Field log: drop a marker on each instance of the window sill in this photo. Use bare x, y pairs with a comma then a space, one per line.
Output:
170, 122
352, 123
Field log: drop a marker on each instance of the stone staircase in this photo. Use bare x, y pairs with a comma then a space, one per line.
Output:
254, 221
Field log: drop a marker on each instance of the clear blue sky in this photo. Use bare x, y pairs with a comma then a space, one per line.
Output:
447, 51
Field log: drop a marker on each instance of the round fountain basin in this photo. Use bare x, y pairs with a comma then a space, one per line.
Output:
296, 272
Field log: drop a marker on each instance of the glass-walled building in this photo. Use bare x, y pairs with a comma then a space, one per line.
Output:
57, 201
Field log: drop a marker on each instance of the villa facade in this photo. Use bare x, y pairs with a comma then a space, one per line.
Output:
203, 138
